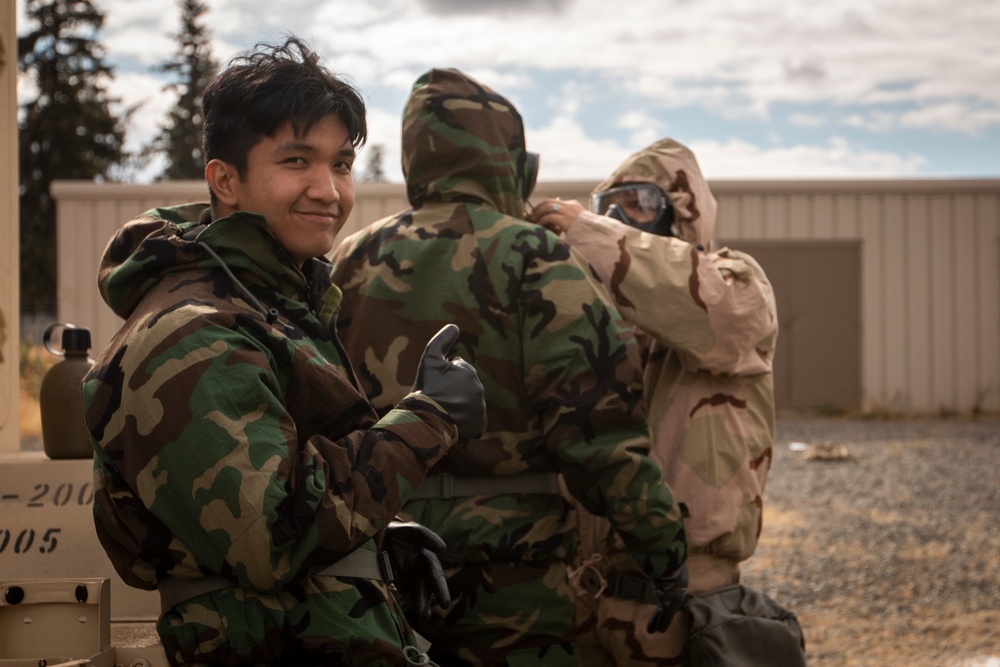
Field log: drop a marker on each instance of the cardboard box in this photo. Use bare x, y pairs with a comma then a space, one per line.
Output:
55, 622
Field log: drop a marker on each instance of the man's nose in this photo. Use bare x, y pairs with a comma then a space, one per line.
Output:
323, 186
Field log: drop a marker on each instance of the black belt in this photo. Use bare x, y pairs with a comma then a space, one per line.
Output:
446, 485
628, 587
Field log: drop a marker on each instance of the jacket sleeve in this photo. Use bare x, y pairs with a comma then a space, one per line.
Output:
234, 475
716, 309
582, 377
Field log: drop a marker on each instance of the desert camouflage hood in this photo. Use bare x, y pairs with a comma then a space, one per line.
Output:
673, 168
159, 243
463, 142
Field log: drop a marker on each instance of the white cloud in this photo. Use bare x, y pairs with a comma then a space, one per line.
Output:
873, 121
154, 104
806, 120
838, 158
954, 116
567, 153
636, 120
132, 32
642, 127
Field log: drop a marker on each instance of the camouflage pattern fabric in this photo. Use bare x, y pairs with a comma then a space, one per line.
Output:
235, 442
559, 366
709, 322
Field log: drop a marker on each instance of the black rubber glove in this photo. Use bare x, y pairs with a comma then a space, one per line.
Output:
417, 571
672, 589
453, 384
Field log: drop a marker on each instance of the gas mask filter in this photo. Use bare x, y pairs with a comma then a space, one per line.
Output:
530, 175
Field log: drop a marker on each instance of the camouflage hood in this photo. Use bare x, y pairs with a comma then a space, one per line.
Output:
673, 167
165, 240
463, 142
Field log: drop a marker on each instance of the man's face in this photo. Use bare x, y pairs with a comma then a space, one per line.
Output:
636, 209
302, 186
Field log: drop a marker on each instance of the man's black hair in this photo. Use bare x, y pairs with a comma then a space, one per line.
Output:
264, 88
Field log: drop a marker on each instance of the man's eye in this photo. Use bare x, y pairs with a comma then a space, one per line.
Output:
295, 160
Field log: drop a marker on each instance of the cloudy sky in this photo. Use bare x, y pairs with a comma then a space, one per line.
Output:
757, 88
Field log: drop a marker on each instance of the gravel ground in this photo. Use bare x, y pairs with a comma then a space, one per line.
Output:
884, 537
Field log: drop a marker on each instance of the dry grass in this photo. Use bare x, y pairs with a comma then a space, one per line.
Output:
839, 629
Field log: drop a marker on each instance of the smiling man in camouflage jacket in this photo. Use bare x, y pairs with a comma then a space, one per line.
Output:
239, 470
558, 365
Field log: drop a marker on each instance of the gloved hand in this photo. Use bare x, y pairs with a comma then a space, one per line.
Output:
417, 571
454, 384
672, 589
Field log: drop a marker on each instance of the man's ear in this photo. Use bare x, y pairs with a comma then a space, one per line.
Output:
224, 180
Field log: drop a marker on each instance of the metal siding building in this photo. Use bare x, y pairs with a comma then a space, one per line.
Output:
888, 290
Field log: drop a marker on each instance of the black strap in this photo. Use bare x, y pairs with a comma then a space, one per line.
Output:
630, 587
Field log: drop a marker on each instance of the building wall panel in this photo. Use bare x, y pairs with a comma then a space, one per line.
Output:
800, 223
847, 220
917, 293
942, 261
745, 220
895, 318
776, 223
874, 386
987, 246
824, 217
967, 313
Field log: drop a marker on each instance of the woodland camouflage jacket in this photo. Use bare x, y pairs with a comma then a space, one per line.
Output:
710, 326
559, 365
231, 439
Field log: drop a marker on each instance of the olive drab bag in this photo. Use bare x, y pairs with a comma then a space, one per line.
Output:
737, 626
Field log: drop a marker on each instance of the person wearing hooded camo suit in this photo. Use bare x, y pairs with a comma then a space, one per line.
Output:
709, 322
559, 366
238, 468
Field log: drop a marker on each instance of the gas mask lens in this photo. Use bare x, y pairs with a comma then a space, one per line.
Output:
641, 203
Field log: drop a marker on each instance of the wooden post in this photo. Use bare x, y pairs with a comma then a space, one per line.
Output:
10, 431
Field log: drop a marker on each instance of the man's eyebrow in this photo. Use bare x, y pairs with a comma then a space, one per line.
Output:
296, 146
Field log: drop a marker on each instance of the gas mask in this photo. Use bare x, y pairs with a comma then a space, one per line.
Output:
529, 176
640, 205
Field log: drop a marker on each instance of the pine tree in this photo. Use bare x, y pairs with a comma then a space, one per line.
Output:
193, 66
374, 173
66, 132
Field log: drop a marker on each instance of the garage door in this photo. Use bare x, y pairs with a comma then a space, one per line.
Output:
817, 285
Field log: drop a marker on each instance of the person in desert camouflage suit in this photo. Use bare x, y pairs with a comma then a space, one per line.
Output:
559, 365
239, 470
709, 323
